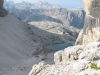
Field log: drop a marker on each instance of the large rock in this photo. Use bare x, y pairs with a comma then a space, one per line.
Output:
3, 12
37, 68
69, 54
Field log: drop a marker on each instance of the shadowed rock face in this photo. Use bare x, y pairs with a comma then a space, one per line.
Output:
3, 12
1, 4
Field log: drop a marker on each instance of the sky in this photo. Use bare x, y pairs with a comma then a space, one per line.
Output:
62, 3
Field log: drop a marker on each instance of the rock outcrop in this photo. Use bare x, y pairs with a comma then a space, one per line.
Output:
37, 68
75, 60
91, 30
3, 12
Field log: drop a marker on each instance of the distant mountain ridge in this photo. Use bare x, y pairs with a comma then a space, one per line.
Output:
43, 11
25, 5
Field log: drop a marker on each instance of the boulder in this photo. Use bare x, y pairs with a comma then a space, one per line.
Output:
72, 53
37, 68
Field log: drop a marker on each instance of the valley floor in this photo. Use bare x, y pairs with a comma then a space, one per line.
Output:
19, 43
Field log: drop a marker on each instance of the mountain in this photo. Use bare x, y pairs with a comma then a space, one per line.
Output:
43, 5
43, 11
26, 5
21, 42
14, 45
82, 59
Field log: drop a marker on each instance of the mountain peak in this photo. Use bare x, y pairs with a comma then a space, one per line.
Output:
44, 5
42, 2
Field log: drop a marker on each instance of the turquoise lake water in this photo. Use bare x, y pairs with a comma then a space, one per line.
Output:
58, 46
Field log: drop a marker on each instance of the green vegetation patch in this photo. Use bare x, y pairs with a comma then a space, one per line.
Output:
94, 66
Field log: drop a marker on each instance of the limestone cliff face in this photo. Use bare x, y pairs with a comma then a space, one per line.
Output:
92, 7
87, 4
3, 12
91, 30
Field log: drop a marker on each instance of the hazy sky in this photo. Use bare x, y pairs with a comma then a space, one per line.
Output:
63, 3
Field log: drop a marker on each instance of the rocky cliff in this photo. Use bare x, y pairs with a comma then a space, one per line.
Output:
3, 12
81, 59
75, 60
92, 23
87, 4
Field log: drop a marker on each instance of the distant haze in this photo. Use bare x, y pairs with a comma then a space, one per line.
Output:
62, 3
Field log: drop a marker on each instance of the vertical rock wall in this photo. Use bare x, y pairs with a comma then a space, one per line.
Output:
87, 5
91, 30
92, 7
3, 12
